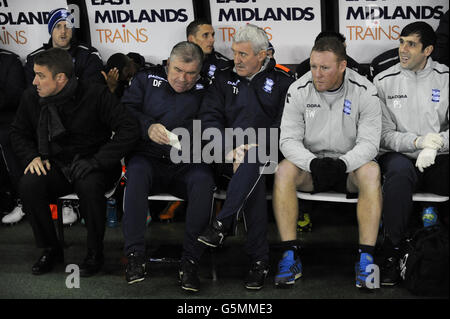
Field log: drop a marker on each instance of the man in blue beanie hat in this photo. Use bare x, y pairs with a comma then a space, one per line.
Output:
88, 64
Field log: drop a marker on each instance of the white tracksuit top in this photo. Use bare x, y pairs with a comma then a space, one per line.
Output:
413, 104
349, 129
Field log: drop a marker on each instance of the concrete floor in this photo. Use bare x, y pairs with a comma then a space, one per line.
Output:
328, 257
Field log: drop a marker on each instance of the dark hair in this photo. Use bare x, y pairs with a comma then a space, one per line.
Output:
192, 28
333, 45
117, 60
330, 34
425, 32
56, 60
188, 52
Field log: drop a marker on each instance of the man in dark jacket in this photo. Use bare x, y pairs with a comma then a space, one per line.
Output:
164, 99
202, 33
12, 84
249, 97
62, 134
86, 59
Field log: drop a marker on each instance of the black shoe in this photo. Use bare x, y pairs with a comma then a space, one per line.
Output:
214, 235
91, 264
136, 268
188, 276
49, 258
390, 271
256, 275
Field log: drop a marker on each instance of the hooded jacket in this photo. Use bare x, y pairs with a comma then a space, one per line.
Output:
349, 129
413, 104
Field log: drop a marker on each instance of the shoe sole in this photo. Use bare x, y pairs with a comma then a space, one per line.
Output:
136, 280
190, 289
253, 288
207, 243
288, 283
389, 284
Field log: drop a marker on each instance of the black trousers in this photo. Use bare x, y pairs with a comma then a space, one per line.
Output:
37, 192
147, 176
246, 193
401, 180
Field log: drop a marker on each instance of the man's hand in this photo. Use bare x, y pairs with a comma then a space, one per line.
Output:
431, 140
426, 158
157, 133
112, 79
326, 172
237, 155
38, 166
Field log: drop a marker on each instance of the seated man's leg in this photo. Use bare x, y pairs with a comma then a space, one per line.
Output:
288, 178
91, 192
400, 181
141, 180
195, 183
399, 184
257, 246
366, 181
435, 178
36, 193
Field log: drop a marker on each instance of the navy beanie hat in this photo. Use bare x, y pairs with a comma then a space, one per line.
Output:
59, 15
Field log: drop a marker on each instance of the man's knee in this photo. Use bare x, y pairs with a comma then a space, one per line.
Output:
286, 172
30, 184
368, 174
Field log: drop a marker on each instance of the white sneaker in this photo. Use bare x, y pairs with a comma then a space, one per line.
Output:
68, 214
15, 216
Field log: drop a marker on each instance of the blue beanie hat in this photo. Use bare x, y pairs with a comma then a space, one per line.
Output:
59, 15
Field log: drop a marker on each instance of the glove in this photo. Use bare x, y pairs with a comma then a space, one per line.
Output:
426, 158
326, 172
80, 168
431, 140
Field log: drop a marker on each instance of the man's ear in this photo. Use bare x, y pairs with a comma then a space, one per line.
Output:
428, 50
262, 55
342, 65
61, 77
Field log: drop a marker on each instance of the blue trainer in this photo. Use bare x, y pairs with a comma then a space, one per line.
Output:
429, 217
289, 269
363, 271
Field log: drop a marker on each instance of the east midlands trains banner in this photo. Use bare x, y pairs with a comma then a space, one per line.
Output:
23, 24
374, 26
150, 28
291, 25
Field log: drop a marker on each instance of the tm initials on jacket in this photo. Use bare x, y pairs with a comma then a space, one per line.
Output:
235, 102
413, 104
348, 129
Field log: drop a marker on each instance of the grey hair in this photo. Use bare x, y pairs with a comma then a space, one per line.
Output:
253, 34
187, 52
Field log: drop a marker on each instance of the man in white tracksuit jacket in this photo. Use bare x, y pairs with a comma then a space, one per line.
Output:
414, 139
330, 134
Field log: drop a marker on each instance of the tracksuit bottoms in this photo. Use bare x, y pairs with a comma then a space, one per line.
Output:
401, 180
